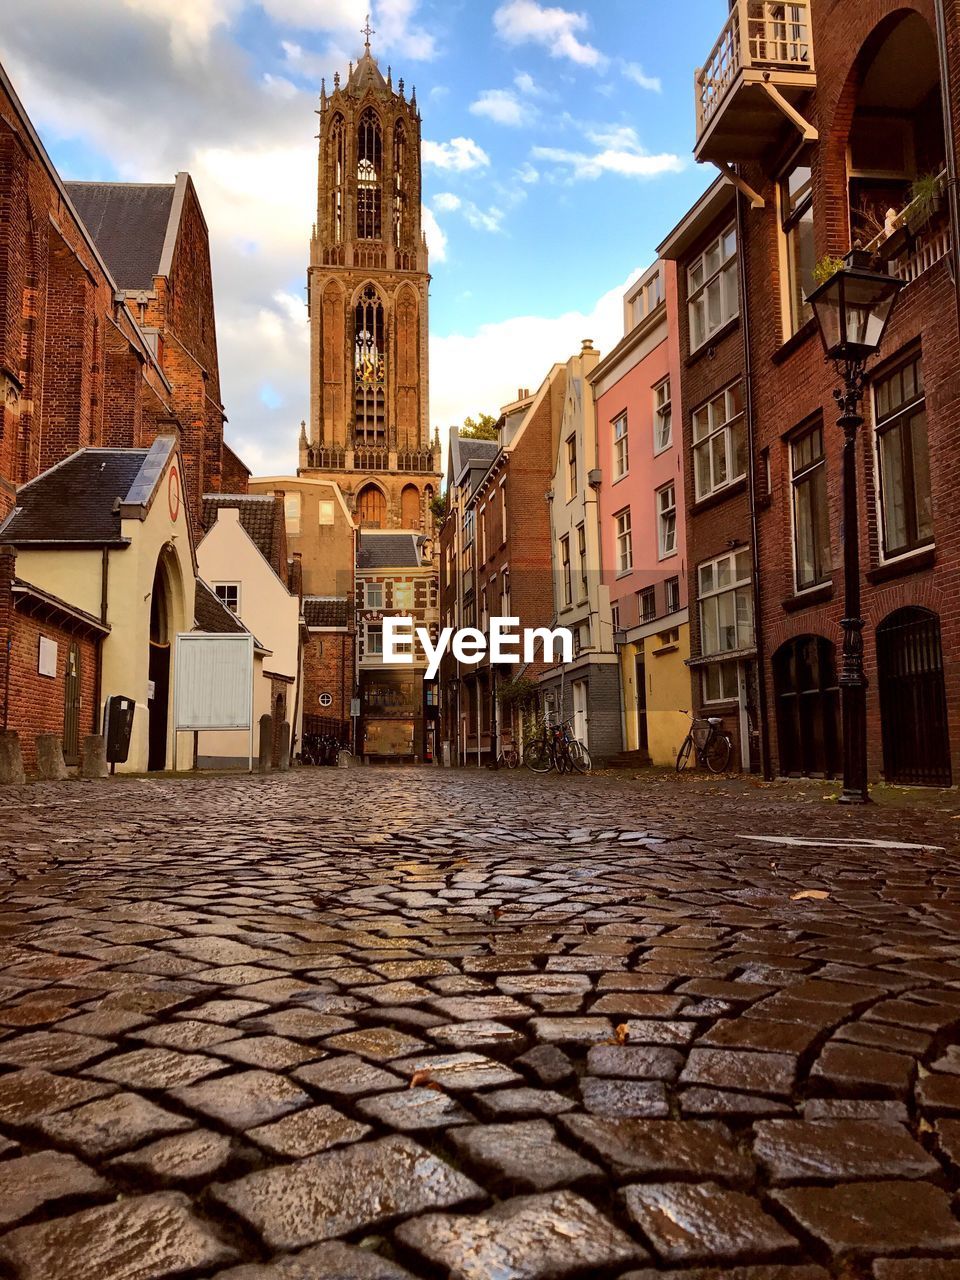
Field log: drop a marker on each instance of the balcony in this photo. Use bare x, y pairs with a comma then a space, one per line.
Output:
757, 73
918, 237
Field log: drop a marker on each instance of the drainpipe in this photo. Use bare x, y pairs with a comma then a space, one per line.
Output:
752, 490
953, 199
98, 669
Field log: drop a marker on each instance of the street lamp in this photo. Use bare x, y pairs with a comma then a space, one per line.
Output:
853, 309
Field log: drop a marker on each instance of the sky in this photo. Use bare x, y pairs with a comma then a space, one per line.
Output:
556, 156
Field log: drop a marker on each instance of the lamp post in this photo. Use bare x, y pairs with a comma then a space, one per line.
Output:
853, 309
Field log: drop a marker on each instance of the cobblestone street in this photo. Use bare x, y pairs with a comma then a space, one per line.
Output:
590, 1027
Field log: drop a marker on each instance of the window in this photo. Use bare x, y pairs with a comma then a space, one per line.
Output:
796, 223
572, 467
712, 288
505, 594
565, 570
615, 616
621, 448
503, 512
468, 522
484, 610
726, 604
369, 372
667, 521
811, 516
403, 595
672, 589
624, 542
374, 644
720, 682
483, 536
229, 593
719, 441
647, 599
291, 512
369, 166
373, 595
326, 515
905, 499
582, 553
662, 416
647, 297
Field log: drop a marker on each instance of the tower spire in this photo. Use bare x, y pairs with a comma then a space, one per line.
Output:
367, 31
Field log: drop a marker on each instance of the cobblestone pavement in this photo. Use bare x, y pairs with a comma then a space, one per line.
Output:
375, 1024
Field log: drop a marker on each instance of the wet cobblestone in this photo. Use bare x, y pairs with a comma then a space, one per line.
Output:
384, 1025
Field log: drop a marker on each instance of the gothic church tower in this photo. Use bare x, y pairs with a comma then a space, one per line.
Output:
367, 288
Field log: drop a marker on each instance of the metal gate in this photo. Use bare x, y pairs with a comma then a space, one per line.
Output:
71, 707
913, 700
808, 707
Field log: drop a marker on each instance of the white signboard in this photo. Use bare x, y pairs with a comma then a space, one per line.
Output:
213, 681
47, 658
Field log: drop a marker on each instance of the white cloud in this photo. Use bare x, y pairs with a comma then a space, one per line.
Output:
526, 83
526, 21
314, 15
436, 236
189, 27
480, 372
483, 219
633, 71
527, 174
446, 201
502, 106
459, 155
393, 20
626, 163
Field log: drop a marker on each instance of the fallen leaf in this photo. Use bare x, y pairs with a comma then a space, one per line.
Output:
622, 1032
419, 1079
818, 894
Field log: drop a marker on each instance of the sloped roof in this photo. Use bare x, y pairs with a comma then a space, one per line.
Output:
379, 550
257, 517
211, 614
326, 611
367, 75
128, 221
77, 501
478, 450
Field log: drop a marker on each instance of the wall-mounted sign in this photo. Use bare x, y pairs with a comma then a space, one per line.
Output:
326, 700
47, 657
173, 493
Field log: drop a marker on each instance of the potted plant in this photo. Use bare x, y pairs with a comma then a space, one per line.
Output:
827, 267
926, 201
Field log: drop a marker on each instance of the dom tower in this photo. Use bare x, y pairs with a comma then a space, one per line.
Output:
367, 290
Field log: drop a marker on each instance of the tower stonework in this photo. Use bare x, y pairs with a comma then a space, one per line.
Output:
367, 288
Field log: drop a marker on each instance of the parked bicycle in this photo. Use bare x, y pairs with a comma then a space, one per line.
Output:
321, 749
707, 745
509, 757
556, 747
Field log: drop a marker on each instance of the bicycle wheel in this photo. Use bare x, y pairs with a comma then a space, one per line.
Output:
509, 758
718, 753
685, 754
538, 757
579, 756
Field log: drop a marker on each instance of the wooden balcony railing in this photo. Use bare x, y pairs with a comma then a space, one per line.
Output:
760, 35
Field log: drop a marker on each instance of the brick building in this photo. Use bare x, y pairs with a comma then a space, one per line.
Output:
716, 476
329, 666
835, 120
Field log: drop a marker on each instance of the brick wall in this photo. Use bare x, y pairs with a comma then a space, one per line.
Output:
328, 668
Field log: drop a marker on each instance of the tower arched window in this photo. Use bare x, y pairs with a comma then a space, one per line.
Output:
399, 176
338, 147
369, 372
369, 171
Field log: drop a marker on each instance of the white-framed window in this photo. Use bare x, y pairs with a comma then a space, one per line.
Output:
505, 594
624, 541
373, 595
484, 610
713, 294
326, 513
503, 511
403, 595
291, 512
720, 682
719, 441
565, 571
373, 639
726, 604
615, 616
582, 556
796, 228
647, 298
483, 535
662, 417
229, 593
572, 467
621, 447
906, 504
811, 515
667, 521
468, 524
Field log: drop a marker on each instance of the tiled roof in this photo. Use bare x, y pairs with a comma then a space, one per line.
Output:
211, 614
388, 550
326, 611
77, 501
257, 516
128, 221
478, 450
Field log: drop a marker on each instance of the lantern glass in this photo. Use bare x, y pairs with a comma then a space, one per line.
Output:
853, 309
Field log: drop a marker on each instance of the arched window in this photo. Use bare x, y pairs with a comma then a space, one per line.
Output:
369, 170
399, 174
371, 508
338, 149
369, 374
410, 507
808, 707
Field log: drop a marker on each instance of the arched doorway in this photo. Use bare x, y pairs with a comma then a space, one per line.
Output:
371, 508
71, 706
913, 699
808, 707
162, 630
410, 507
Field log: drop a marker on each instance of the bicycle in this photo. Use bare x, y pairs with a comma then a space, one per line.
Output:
557, 748
706, 745
509, 757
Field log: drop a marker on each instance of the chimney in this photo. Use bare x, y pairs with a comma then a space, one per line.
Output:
296, 575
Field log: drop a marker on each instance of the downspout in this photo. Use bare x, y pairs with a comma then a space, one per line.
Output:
752, 490
98, 669
953, 198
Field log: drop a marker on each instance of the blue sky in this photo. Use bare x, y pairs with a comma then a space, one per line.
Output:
557, 154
